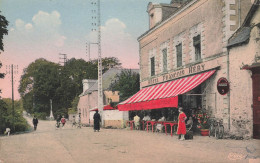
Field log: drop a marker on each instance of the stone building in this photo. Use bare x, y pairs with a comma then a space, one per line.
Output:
184, 53
244, 57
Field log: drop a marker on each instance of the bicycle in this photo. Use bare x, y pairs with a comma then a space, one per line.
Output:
57, 125
216, 129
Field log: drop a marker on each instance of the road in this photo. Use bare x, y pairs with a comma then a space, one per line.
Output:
72, 145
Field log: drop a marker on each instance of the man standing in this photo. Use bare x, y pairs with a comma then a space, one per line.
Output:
97, 121
35, 122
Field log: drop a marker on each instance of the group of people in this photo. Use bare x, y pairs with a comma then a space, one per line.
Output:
181, 129
60, 120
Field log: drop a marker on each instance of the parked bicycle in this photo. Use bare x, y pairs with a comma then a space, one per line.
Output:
216, 129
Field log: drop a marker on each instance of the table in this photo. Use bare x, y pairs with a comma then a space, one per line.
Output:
131, 124
152, 123
165, 123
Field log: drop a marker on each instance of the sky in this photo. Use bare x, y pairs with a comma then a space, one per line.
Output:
47, 28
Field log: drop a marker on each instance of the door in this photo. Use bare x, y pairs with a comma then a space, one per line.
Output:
256, 103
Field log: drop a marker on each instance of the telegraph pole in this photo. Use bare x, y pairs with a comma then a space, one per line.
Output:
98, 23
100, 86
64, 58
12, 79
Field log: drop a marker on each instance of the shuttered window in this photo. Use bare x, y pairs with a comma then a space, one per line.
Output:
164, 53
197, 44
179, 55
152, 66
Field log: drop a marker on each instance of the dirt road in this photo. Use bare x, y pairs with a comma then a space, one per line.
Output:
48, 144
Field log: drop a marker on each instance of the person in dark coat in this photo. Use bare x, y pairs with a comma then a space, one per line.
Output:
97, 121
35, 122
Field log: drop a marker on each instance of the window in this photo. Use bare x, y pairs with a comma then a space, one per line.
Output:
196, 44
152, 66
164, 53
179, 55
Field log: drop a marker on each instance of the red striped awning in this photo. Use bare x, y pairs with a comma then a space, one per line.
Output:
163, 95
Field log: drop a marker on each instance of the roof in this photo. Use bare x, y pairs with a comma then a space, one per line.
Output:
107, 78
242, 35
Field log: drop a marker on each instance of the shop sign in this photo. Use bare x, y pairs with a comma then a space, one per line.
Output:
177, 74
223, 86
193, 69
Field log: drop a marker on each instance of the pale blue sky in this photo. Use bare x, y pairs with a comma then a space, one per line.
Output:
45, 28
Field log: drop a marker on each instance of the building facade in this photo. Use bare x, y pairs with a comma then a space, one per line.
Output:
188, 41
88, 102
244, 56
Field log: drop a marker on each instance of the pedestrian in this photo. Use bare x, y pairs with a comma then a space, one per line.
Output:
97, 121
63, 121
58, 121
73, 121
181, 124
35, 122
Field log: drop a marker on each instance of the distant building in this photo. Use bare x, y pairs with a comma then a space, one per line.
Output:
89, 101
184, 61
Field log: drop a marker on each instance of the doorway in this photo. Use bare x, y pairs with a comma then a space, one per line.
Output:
256, 102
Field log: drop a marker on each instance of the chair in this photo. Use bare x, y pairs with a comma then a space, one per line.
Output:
159, 127
137, 125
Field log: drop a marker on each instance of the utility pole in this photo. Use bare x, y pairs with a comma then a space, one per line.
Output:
14, 70
94, 24
64, 58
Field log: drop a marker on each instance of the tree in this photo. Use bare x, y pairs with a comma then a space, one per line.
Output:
43, 80
38, 85
3, 31
16, 123
127, 83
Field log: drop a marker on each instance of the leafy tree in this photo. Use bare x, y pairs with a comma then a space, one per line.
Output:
3, 31
38, 85
127, 83
10, 119
43, 80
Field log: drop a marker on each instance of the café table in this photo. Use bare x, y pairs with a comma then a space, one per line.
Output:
131, 123
171, 123
152, 123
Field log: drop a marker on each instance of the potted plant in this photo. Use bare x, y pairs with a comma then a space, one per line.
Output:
203, 123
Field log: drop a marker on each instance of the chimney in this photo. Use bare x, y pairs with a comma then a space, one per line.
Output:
87, 83
154, 11
159, 12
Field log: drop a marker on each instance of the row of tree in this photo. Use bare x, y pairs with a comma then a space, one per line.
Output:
43, 81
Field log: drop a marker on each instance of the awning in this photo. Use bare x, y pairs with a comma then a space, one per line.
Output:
107, 107
163, 95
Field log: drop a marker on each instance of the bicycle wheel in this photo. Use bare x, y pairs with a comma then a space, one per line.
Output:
217, 132
220, 132
211, 130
